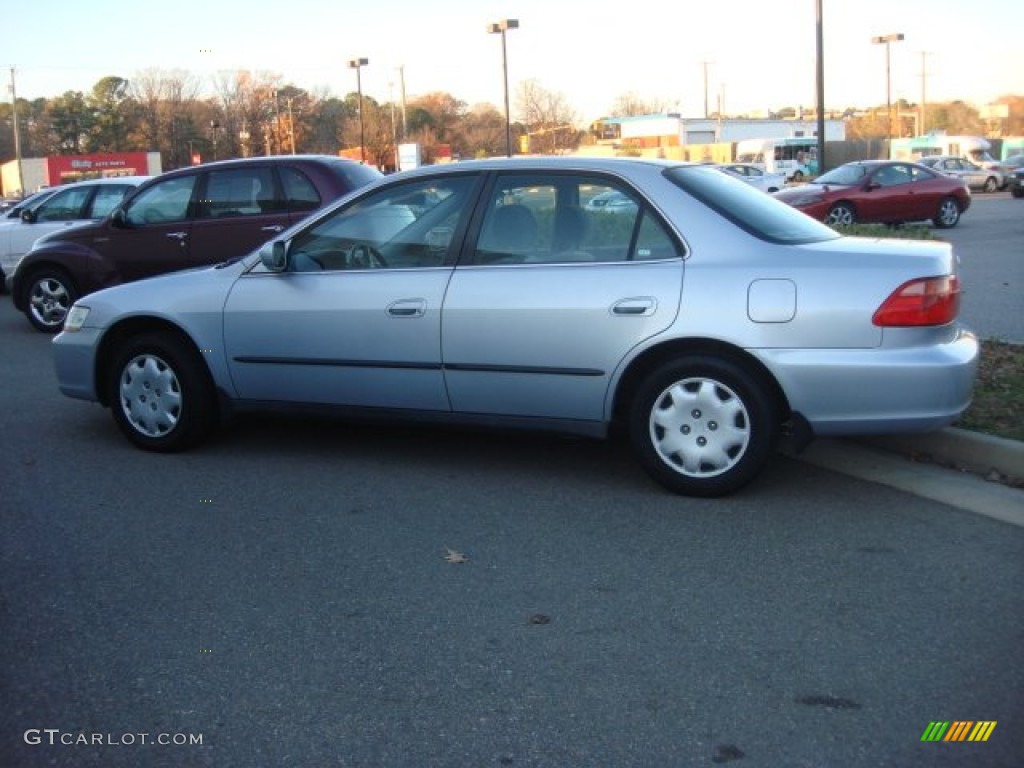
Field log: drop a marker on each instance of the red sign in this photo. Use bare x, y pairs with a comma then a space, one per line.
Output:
64, 168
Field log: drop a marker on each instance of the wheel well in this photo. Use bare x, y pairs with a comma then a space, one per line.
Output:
654, 357
123, 330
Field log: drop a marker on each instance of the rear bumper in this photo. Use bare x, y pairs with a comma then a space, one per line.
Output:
886, 390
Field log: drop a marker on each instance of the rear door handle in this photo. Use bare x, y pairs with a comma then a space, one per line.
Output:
272, 228
637, 306
177, 235
407, 308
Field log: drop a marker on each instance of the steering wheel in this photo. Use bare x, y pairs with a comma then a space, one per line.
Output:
365, 256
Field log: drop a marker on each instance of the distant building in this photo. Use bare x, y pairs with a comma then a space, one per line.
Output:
42, 172
672, 130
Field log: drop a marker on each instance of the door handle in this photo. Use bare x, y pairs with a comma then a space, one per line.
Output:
407, 308
635, 307
272, 228
177, 235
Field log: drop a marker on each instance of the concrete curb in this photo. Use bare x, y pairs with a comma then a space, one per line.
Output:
967, 470
995, 458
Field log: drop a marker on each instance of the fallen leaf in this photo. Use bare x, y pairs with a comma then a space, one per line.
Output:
452, 556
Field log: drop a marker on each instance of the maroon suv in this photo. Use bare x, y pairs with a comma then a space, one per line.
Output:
185, 218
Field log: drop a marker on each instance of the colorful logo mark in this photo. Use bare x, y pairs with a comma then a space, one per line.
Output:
958, 730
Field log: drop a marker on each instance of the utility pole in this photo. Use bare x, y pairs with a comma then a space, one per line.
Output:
819, 78
921, 128
17, 135
401, 81
706, 113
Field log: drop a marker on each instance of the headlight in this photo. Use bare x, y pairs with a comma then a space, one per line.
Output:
76, 318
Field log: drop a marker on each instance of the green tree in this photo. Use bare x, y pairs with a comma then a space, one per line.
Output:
71, 121
112, 111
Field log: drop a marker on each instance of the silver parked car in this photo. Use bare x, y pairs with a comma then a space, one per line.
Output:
976, 176
707, 322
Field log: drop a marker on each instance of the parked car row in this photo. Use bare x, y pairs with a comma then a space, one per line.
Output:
184, 218
58, 208
507, 293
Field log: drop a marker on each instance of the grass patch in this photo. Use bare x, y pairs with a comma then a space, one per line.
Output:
998, 406
900, 231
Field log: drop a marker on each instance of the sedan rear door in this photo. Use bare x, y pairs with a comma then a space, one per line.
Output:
553, 295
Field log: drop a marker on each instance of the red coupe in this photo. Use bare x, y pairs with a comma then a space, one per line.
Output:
885, 191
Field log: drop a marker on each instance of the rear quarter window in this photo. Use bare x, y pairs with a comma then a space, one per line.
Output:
752, 210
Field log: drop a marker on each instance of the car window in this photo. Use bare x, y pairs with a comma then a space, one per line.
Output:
299, 192
402, 226
892, 175
64, 206
761, 215
238, 192
567, 218
165, 201
106, 199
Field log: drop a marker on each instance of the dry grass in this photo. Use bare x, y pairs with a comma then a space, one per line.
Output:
998, 407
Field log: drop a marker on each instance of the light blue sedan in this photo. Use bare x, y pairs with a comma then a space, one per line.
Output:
708, 322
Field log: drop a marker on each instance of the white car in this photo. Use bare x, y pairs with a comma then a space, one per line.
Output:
66, 206
754, 176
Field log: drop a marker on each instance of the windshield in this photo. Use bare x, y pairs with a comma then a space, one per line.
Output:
844, 174
752, 210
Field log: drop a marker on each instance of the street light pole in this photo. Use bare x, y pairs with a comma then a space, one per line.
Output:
887, 39
357, 65
501, 27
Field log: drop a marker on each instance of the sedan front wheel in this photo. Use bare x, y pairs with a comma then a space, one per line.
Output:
948, 214
160, 393
703, 426
49, 296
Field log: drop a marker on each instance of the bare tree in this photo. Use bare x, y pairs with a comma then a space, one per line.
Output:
550, 121
630, 104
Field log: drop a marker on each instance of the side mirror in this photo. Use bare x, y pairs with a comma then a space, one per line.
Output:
118, 219
274, 256
28, 216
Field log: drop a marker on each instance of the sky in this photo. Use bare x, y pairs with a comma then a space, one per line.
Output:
759, 54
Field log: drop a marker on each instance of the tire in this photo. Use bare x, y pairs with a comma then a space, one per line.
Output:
49, 294
991, 184
160, 393
948, 214
703, 426
841, 215
1017, 192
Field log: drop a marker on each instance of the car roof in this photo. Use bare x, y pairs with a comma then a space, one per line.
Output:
105, 180
548, 162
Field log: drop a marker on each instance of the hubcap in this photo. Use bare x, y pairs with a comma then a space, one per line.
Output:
49, 301
699, 427
150, 395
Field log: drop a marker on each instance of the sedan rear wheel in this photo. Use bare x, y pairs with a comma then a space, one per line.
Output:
703, 426
841, 215
991, 184
49, 296
948, 215
160, 393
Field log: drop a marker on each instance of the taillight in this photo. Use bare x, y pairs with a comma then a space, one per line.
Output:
925, 301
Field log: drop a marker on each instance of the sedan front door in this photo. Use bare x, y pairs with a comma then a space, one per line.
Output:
355, 318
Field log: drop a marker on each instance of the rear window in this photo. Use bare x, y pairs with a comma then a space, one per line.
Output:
354, 175
750, 209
